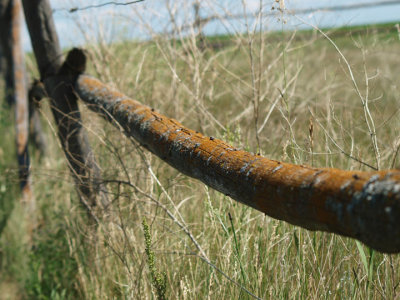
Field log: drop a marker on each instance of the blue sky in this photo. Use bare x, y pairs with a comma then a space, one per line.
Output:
112, 23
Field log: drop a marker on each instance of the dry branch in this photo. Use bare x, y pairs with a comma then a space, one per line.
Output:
362, 205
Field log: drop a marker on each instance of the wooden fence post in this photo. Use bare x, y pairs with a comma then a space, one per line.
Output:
64, 106
10, 31
35, 128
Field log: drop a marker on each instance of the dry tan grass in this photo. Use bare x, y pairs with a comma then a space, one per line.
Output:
287, 82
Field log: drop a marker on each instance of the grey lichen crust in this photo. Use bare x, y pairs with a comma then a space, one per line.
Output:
374, 213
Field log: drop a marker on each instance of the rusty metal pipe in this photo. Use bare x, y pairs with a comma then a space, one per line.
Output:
361, 205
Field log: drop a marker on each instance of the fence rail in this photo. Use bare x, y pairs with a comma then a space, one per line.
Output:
362, 205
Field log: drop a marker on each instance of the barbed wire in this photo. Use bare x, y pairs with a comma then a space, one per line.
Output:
276, 11
75, 9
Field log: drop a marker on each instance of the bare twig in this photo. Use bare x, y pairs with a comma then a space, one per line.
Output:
75, 9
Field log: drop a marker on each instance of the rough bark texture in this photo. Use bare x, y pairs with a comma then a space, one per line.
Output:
11, 27
362, 205
57, 80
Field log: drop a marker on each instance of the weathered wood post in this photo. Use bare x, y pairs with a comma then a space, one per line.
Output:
35, 129
57, 80
10, 31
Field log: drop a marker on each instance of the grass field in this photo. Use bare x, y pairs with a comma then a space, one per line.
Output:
292, 96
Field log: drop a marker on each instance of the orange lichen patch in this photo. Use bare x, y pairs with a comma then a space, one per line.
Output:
363, 205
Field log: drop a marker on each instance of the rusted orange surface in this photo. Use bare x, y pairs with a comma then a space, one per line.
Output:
362, 205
